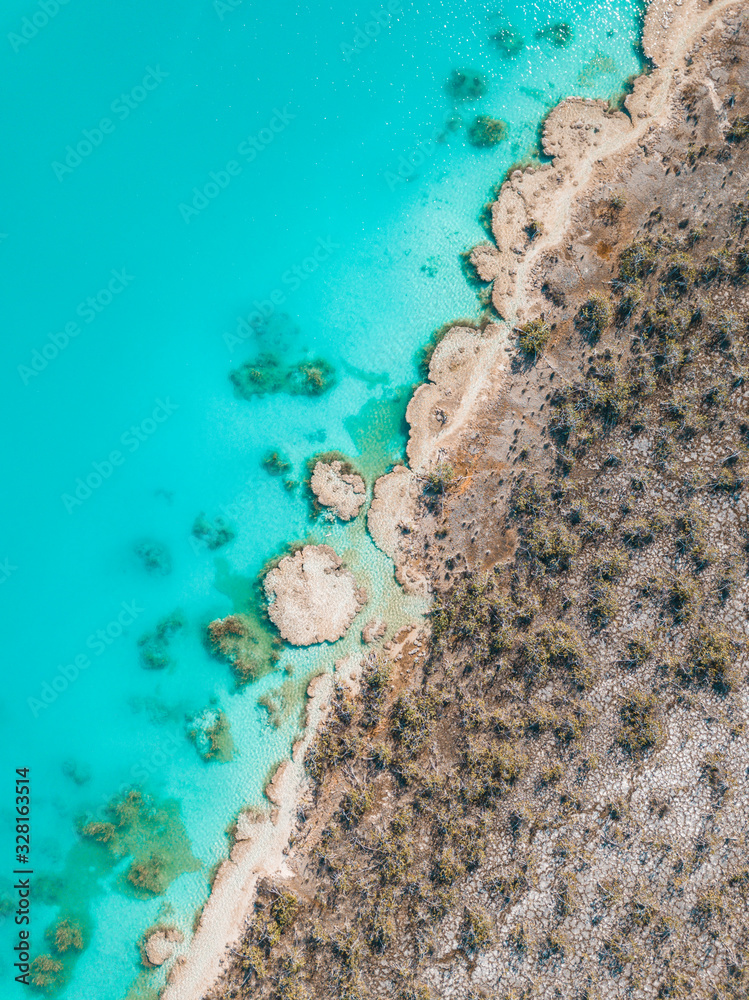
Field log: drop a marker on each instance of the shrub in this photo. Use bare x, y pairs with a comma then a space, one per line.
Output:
680, 273
603, 605
637, 261
594, 316
638, 532
440, 479
739, 129
710, 659
553, 545
559, 645
475, 932
637, 650
533, 337
284, 909
610, 568
640, 730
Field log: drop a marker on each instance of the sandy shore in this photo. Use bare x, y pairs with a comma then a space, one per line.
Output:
261, 851
582, 136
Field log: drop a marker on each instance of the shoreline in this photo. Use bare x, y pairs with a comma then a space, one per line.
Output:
464, 364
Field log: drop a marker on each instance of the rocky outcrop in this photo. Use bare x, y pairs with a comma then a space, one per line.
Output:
314, 598
373, 630
343, 492
159, 945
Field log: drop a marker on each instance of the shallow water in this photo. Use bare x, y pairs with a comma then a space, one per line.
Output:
344, 190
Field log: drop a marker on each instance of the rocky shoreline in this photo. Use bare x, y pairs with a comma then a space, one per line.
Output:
480, 412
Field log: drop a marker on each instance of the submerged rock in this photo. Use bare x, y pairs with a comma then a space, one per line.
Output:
159, 945
154, 555
559, 34
466, 84
509, 42
250, 648
267, 373
213, 532
210, 731
373, 630
344, 492
314, 598
485, 131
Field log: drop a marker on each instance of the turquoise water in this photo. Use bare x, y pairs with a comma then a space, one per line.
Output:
187, 185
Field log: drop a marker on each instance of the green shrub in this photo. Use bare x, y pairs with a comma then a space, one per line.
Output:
640, 730
637, 261
551, 544
710, 660
475, 933
603, 605
284, 909
533, 336
739, 129
610, 568
594, 316
680, 273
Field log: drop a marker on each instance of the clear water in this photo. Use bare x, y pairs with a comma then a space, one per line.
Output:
340, 150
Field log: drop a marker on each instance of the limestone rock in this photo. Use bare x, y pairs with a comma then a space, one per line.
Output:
314, 598
160, 945
373, 630
343, 492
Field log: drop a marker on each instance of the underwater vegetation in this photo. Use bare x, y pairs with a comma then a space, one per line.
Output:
211, 733
599, 64
250, 649
485, 131
466, 84
154, 646
276, 463
65, 936
268, 374
154, 555
46, 972
559, 34
76, 771
509, 42
213, 532
153, 836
